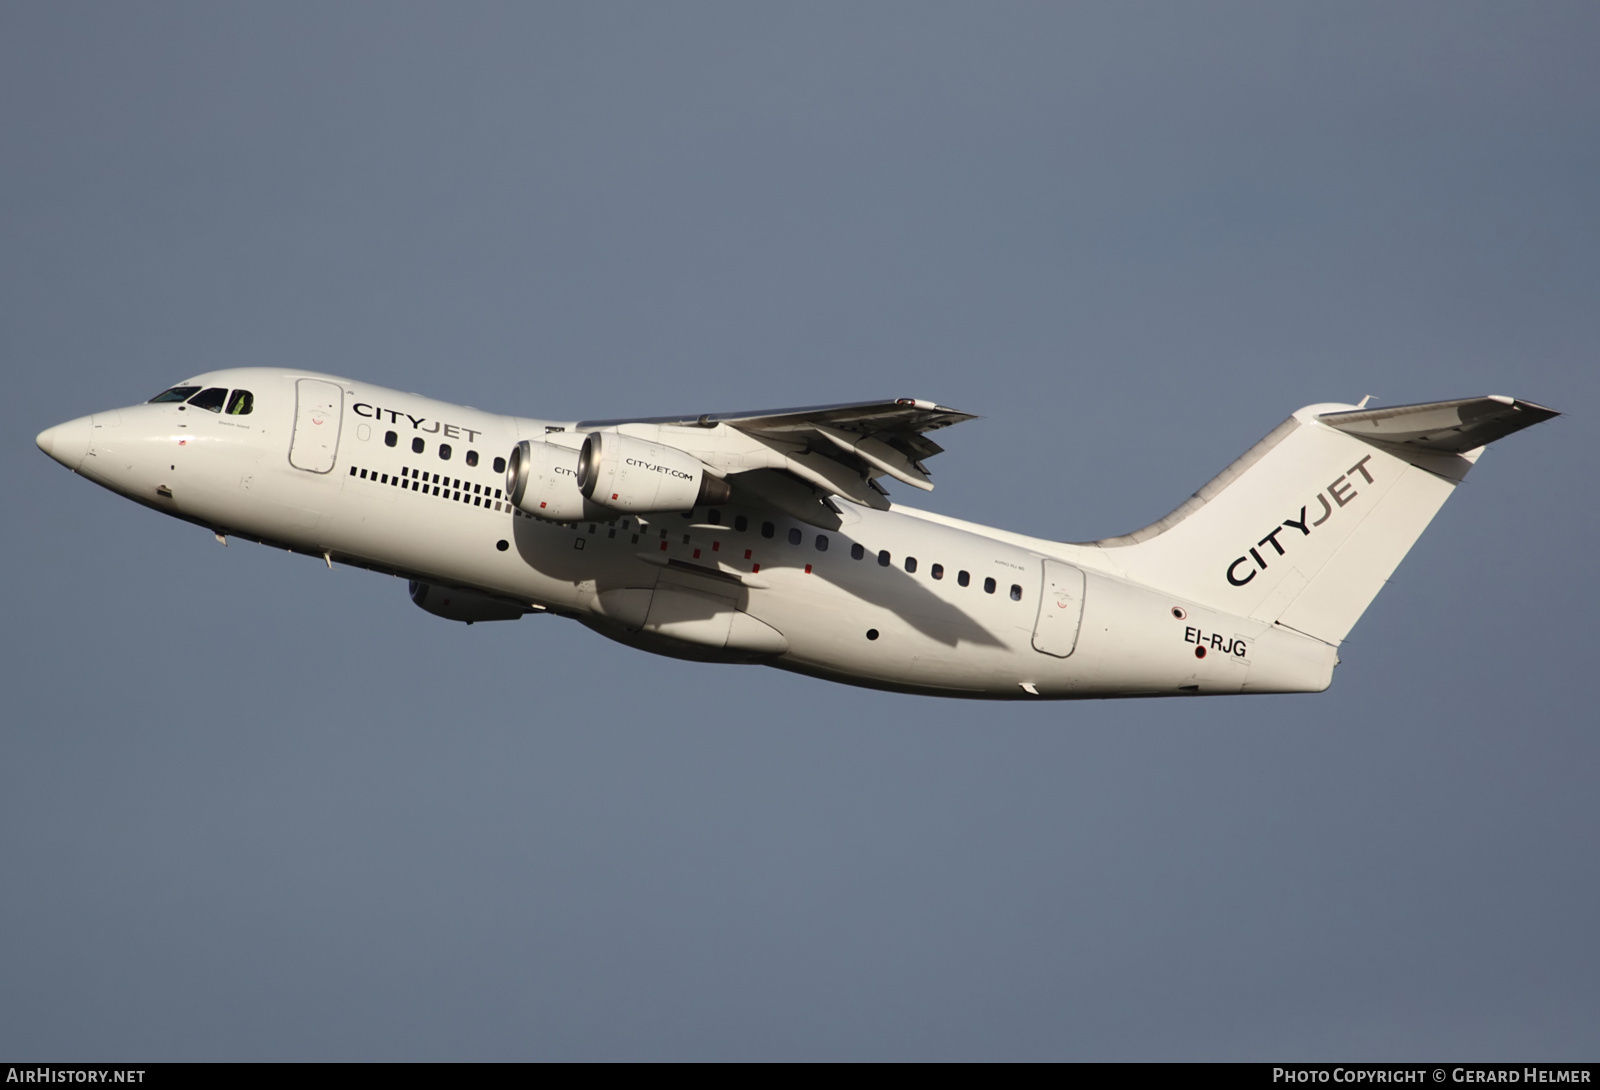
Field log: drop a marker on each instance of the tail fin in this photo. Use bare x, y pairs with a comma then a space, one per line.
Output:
1306, 526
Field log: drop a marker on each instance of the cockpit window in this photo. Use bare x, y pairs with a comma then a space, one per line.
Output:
177, 393
211, 400
242, 402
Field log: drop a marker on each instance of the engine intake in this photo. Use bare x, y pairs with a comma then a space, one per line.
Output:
542, 481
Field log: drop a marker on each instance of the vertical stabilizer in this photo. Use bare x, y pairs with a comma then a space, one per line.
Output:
1308, 525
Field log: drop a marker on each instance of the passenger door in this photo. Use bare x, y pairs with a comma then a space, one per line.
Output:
318, 413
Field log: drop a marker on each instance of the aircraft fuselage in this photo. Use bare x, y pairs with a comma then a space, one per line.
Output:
898, 599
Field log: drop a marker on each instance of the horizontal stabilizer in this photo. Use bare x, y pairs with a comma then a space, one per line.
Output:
1453, 427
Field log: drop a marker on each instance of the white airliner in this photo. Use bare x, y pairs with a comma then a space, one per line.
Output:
766, 537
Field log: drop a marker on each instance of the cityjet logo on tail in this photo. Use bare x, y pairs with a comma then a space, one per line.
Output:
1341, 490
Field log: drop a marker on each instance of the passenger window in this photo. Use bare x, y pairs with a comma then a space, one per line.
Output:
911, 563
472, 457
499, 465
177, 393
988, 586
740, 523
211, 400
794, 535
963, 578
767, 529
822, 543
242, 402
938, 571
1016, 593
444, 452
416, 446
714, 517
390, 438
883, 559
857, 552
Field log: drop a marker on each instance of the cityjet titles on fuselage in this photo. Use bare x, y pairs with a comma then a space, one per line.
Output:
1342, 491
418, 423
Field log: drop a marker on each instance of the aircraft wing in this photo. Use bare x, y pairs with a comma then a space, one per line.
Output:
837, 450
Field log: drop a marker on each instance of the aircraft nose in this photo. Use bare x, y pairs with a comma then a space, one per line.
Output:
67, 443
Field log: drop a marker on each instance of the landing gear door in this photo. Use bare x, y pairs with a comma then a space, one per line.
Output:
318, 413
1060, 610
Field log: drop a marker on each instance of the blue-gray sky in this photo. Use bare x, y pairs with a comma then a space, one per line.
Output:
252, 809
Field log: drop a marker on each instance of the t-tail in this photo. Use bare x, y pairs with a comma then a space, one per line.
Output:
1304, 529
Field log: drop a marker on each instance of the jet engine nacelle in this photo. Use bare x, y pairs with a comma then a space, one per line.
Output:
637, 476
454, 604
542, 481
